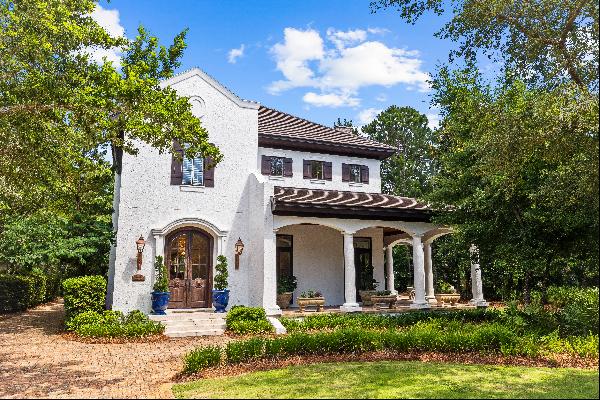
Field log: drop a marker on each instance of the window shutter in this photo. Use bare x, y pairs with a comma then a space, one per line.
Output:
327, 170
265, 165
364, 174
306, 169
176, 165
209, 172
287, 167
345, 173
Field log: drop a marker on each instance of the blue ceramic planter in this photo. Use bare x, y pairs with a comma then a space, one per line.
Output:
220, 300
160, 301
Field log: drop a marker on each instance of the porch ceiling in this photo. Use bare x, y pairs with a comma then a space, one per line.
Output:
346, 204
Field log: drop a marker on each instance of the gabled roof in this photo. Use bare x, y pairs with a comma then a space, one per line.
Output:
281, 130
346, 204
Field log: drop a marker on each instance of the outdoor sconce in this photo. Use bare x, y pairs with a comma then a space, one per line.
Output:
139, 244
239, 248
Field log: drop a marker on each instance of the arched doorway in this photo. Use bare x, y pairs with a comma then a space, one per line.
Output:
188, 254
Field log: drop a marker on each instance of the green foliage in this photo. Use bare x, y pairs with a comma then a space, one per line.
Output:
383, 293
311, 294
14, 293
408, 172
546, 42
244, 350
444, 287
580, 314
201, 358
86, 293
286, 284
367, 282
161, 277
220, 279
243, 320
113, 324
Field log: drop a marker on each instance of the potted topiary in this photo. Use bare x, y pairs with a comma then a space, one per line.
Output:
368, 286
220, 292
311, 298
384, 297
160, 294
285, 290
446, 293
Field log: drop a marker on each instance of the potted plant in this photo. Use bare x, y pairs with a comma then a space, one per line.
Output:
160, 294
285, 290
384, 297
368, 286
311, 298
220, 292
446, 293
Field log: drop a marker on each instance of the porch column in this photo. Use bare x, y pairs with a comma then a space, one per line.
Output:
476, 283
270, 274
350, 304
389, 268
419, 273
429, 294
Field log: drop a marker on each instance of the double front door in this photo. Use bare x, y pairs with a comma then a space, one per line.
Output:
189, 256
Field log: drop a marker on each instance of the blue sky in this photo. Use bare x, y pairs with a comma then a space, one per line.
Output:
316, 59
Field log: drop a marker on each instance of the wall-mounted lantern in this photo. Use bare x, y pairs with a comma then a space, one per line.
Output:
139, 244
239, 248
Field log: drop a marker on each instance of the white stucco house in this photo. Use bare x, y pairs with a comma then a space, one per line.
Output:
305, 199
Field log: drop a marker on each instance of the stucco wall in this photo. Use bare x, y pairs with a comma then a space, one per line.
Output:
148, 201
297, 180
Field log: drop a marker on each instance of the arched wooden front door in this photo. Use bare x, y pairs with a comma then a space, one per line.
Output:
189, 259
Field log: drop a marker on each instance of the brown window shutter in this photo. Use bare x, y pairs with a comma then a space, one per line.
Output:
345, 173
265, 165
176, 165
364, 174
287, 167
209, 172
327, 170
306, 169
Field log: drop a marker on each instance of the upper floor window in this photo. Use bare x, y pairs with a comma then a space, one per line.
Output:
314, 169
193, 171
355, 173
276, 166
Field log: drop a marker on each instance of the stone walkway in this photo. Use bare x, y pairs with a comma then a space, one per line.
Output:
37, 361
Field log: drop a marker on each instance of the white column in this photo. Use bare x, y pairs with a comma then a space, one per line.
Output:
476, 283
350, 304
270, 275
419, 274
429, 292
389, 268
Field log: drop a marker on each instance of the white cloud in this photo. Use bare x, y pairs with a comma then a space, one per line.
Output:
367, 115
331, 100
234, 54
381, 97
341, 70
434, 120
110, 21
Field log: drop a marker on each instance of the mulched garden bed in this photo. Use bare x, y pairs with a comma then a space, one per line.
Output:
114, 340
558, 360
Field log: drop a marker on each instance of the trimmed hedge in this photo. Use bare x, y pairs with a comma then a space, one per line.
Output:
20, 292
113, 324
422, 337
244, 320
84, 293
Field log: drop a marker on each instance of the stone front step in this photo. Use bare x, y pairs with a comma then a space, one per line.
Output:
191, 323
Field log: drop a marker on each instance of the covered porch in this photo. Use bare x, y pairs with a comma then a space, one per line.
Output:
326, 238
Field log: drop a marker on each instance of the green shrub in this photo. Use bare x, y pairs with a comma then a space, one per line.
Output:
244, 350
220, 279
114, 324
85, 293
243, 320
37, 288
560, 296
84, 318
161, 277
202, 357
580, 314
136, 317
14, 293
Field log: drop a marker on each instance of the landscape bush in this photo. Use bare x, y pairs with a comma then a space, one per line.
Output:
113, 324
579, 315
20, 292
84, 293
201, 358
243, 320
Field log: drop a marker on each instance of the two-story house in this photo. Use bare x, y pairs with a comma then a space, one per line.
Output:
303, 198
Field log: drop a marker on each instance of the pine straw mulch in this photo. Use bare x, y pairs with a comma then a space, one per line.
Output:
555, 361
114, 340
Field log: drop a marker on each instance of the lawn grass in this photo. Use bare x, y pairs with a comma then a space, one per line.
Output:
399, 379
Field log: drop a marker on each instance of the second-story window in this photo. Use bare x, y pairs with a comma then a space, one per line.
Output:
316, 170
276, 166
355, 173
193, 171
